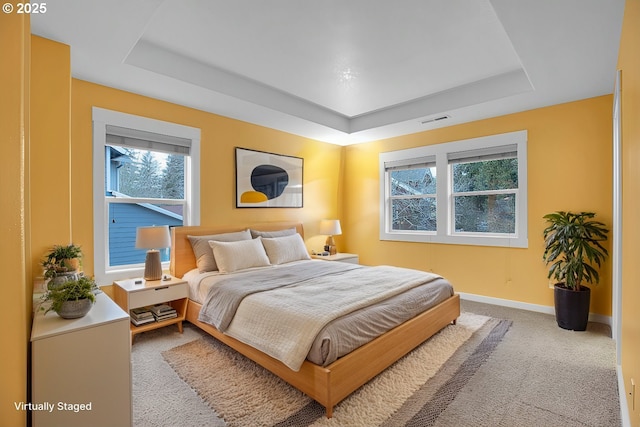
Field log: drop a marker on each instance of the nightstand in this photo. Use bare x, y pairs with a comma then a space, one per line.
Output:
84, 362
134, 293
341, 257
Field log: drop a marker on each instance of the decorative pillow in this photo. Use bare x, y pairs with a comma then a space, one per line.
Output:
204, 255
282, 250
234, 256
271, 234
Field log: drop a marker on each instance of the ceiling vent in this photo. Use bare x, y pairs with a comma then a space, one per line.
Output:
436, 119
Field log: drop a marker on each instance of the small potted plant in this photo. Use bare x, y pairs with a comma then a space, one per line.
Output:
71, 299
62, 263
574, 251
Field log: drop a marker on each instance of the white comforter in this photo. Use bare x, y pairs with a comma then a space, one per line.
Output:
283, 320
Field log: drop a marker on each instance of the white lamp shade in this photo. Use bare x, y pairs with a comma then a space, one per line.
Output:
154, 237
330, 227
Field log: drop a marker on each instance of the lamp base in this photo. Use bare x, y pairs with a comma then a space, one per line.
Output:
331, 244
153, 266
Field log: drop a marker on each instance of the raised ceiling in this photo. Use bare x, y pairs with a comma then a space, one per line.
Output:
344, 71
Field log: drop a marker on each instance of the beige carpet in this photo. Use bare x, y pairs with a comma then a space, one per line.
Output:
244, 394
539, 375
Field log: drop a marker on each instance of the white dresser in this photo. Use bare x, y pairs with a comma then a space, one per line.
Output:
81, 368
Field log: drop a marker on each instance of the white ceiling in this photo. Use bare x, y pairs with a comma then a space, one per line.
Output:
344, 71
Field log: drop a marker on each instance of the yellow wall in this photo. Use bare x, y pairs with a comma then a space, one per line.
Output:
50, 143
15, 44
629, 63
219, 137
569, 168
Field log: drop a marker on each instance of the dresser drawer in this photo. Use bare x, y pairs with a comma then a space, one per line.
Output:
157, 295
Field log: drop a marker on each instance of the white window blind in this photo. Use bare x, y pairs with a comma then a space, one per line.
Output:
484, 154
415, 163
133, 138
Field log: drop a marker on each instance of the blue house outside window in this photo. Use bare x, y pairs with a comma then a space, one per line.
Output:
124, 219
138, 175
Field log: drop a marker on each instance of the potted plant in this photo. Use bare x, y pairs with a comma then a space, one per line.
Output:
62, 263
574, 252
71, 299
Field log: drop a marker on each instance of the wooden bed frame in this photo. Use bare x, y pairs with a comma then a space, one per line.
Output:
331, 384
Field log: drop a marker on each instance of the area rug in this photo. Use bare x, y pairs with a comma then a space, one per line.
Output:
412, 392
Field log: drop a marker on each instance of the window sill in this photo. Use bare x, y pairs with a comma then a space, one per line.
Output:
505, 242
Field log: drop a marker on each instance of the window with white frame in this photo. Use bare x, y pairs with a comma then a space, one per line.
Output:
470, 192
412, 194
145, 173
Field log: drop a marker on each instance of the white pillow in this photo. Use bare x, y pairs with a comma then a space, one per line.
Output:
270, 234
281, 250
201, 249
234, 256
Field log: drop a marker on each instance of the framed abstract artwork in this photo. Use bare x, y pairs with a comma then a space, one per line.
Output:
268, 180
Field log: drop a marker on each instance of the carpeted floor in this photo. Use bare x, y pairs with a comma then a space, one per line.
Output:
245, 394
541, 375
538, 375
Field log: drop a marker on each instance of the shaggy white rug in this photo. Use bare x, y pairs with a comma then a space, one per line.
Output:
245, 394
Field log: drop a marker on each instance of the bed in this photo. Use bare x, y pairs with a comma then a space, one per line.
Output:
326, 381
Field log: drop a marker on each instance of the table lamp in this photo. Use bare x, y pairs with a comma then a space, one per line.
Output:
331, 227
153, 238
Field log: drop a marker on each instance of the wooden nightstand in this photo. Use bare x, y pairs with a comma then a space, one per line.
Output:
134, 293
341, 257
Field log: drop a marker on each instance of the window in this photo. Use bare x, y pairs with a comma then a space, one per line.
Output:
145, 173
484, 191
412, 188
467, 192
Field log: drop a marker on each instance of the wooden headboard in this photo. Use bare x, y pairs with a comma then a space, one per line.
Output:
182, 258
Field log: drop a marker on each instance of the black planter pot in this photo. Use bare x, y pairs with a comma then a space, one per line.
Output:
572, 307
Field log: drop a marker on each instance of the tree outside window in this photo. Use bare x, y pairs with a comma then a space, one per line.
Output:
413, 199
484, 196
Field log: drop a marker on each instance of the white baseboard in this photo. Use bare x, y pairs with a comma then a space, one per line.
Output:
599, 318
622, 396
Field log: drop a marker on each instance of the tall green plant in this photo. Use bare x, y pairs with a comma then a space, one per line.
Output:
573, 247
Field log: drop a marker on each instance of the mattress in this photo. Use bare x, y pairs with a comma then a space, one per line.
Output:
347, 332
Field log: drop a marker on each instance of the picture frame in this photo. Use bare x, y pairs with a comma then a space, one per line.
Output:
268, 180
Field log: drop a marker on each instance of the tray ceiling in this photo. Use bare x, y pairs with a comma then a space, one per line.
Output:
345, 71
